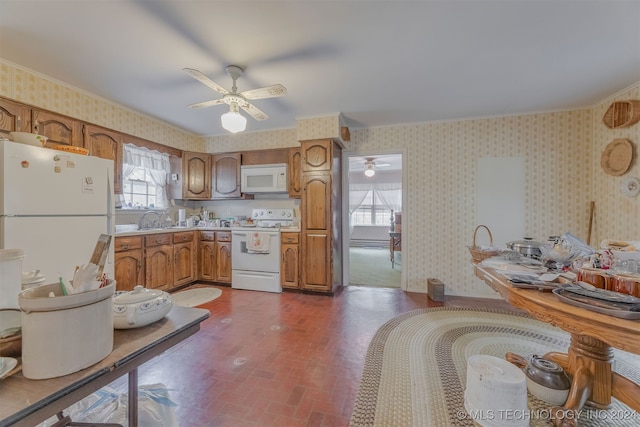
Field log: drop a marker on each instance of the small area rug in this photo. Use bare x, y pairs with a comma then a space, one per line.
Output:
415, 368
196, 296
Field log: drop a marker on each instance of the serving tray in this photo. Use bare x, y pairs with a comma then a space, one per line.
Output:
617, 310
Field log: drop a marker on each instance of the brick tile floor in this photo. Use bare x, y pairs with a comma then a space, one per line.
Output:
287, 359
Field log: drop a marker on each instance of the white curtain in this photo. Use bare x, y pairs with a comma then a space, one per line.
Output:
155, 162
390, 195
357, 194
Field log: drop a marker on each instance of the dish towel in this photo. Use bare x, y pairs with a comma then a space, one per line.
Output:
258, 243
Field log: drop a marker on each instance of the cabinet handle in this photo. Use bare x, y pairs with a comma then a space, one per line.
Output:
36, 126
125, 246
139, 265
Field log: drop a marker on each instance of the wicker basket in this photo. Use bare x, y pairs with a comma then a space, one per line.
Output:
477, 254
622, 114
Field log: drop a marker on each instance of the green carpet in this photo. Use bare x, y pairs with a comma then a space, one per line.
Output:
372, 267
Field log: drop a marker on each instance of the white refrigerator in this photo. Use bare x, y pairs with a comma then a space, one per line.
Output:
54, 205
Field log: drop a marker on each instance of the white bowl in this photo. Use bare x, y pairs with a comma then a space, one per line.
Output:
29, 138
140, 307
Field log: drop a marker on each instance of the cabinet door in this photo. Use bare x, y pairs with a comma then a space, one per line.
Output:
226, 176
106, 144
14, 117
60, 130
289, 268
316, 261
223, 262
295, 173
196, 181
159, 267
184, 259
316, 202
128, 270
207, 262
316, 155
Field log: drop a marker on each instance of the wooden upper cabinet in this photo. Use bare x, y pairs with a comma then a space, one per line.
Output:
265, 157
196, 176
317, 155
106, 144
61, 130
295, 173
14, 117
226, 176
316, 199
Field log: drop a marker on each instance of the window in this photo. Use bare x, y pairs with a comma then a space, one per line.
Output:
371, 211
144, 178
139, 191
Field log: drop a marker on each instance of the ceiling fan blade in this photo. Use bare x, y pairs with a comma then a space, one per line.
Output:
206, 104
272, 91
206, 80
254, 112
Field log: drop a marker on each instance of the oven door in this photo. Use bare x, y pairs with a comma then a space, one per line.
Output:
243, 259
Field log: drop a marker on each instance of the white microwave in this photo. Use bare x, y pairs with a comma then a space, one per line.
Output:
270, 178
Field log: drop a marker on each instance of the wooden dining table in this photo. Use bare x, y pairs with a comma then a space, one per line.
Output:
590, 357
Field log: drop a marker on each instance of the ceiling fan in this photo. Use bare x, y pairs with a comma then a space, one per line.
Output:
370, 165
236, 100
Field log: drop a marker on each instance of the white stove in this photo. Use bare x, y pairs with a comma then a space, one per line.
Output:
255, 250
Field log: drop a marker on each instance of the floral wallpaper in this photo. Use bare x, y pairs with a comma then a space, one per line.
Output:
41, 91
562, 152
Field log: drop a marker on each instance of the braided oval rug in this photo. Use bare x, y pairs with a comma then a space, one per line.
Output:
415, 368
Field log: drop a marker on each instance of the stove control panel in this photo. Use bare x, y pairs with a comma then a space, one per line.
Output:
263, 214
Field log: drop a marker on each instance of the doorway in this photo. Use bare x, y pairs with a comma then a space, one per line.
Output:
374, 188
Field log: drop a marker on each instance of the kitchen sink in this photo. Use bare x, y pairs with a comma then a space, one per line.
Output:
124, 228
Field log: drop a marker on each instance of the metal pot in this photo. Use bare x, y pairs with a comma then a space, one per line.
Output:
545, 379
526, 247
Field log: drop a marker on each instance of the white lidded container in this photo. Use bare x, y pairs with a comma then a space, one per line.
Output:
496, 392
10, 277
64, 334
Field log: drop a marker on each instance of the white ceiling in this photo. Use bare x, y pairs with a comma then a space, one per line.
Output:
379, 63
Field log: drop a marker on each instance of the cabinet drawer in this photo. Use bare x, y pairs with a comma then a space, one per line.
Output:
183, 237
290, 238
127, 243
208, 235
223, 236
157, 239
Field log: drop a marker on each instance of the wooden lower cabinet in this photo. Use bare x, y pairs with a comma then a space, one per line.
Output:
184, 258
317, 266
223, 262
215, 256
207, 262
159, 267
290, 262
129, 263
159, 261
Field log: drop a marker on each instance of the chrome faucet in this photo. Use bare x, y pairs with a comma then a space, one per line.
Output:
154, 224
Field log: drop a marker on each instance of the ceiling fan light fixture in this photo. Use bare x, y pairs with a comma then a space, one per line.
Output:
233, 121
369, 171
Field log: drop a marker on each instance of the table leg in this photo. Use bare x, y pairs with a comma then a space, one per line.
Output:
581, 387
391, 250
133, 398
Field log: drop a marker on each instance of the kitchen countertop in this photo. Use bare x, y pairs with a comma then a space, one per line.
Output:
292, 229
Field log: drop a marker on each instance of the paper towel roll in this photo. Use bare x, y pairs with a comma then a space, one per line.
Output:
182, 215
